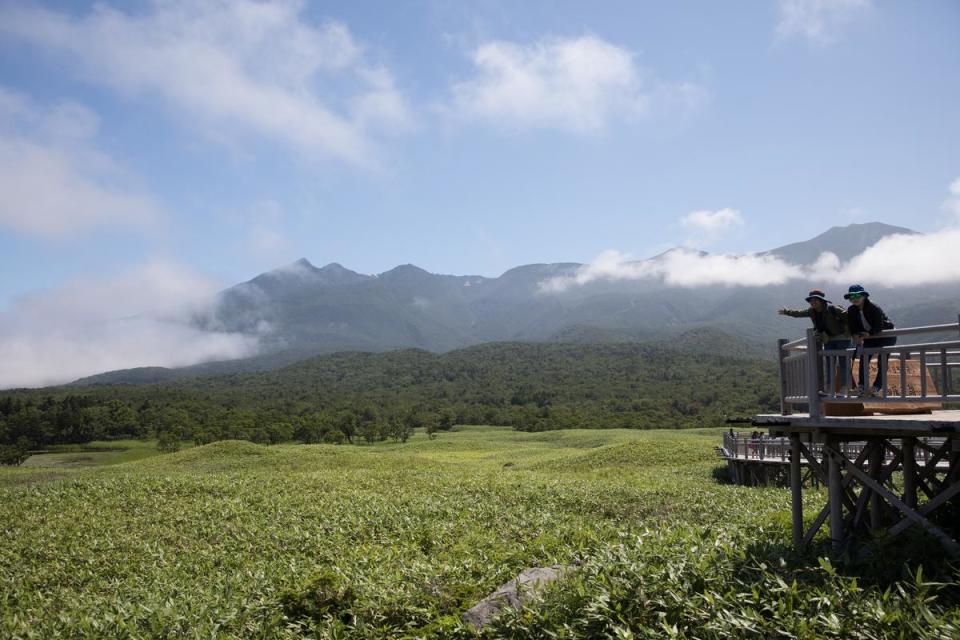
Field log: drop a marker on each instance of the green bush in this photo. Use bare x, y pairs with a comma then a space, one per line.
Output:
13, 454
168, 442
325, 595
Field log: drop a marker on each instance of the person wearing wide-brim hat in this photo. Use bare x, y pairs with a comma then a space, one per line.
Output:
866, 321
830, 323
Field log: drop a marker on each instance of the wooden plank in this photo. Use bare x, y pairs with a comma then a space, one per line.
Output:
941, 418
815, 527
929, 470
856, 517
928, 507
814, 464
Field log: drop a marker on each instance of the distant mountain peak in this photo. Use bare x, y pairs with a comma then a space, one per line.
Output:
541, 269
844, 241
889, 229
673, 250
405, 269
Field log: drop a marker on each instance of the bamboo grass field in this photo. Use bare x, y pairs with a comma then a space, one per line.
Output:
239, 540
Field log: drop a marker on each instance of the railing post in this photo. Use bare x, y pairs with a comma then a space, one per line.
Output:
813, 379
784, 405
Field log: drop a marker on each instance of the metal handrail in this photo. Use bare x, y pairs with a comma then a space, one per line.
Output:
804, 366
801, 343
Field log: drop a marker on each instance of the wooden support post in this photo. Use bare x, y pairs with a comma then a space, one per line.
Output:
796, 490
835, 496
909, 472
876, 466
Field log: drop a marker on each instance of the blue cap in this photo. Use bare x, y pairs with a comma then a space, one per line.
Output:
856, 289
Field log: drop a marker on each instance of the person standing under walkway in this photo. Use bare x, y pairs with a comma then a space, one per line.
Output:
866, 320
830, 323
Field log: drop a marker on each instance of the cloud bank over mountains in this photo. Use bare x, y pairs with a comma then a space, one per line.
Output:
680, 268
88, 325
895, 260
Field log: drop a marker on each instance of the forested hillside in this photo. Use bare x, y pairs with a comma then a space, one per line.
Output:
371, 396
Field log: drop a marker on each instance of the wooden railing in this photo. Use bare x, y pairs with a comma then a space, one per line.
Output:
805, 366
740, 447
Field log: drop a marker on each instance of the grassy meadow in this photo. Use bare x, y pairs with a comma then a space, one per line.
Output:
239, 540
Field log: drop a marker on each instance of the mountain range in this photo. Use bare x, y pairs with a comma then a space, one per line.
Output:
300, 310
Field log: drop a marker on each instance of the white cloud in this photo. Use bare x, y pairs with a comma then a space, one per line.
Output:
231, 67
681, 268
819, 21
707, 226
54, 180
896, 260
581, 84
89, 325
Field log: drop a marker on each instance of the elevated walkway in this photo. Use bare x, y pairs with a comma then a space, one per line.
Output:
890, 462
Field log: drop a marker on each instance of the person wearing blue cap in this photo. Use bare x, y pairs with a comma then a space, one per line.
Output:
830, 323
866, 320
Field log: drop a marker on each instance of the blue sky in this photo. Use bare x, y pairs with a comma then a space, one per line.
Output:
179, 142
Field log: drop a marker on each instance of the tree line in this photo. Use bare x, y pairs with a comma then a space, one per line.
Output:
366, 397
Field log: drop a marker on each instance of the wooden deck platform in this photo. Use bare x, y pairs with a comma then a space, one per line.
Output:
935, 423
888, 471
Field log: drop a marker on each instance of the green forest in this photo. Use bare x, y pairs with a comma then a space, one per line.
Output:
350, 397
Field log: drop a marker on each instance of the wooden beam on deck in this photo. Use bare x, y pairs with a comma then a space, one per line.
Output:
837, 461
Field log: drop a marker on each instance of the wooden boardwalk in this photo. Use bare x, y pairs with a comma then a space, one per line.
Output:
765, 460
890, 463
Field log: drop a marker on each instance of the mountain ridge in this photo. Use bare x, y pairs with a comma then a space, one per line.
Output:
300, 310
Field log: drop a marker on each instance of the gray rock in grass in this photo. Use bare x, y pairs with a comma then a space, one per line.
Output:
521, 589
